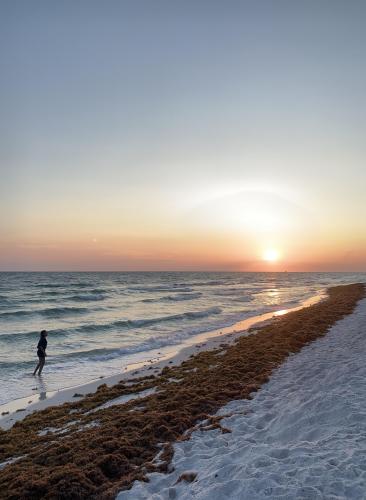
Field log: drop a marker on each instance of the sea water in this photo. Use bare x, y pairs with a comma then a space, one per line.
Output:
98, 323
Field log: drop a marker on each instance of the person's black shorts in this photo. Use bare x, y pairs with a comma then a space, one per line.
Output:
40, 355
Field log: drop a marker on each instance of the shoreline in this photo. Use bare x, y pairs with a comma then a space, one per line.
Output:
17, 409
101, 444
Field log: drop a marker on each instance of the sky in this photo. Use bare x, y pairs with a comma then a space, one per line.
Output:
182, 135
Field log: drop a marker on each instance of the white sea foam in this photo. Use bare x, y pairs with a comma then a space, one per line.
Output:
303, 436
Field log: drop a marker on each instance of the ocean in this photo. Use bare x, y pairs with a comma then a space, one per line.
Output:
100, 322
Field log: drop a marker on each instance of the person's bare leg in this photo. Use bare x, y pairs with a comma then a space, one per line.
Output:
35, 371
42, 362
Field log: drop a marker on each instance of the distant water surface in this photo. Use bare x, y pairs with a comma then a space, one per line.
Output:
100, 322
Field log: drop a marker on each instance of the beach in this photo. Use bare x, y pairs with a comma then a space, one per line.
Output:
301, 436
100, 323
156, 360
182, 250
122, 432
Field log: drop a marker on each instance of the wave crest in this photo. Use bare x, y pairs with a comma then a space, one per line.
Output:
175, 298
53, 312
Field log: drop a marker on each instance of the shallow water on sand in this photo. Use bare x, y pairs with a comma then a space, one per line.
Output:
100, 322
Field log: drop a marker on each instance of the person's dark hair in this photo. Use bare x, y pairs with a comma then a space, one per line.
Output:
43, 333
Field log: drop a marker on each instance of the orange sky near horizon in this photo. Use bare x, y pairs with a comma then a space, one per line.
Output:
231, 232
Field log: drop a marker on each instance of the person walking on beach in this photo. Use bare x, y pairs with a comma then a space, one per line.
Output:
41, 352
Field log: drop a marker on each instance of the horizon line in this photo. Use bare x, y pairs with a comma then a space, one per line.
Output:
173, 271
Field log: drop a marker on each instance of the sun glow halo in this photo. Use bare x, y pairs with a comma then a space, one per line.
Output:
271, 255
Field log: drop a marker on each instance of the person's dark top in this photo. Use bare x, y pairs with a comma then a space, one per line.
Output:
42, 343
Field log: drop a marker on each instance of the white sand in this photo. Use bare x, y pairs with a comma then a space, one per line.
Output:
155, 361
121, 400
303, 436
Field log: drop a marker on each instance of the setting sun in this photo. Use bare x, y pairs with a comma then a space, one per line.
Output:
271, 255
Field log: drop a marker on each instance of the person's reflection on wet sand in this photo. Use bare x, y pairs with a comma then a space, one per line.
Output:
43, 389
